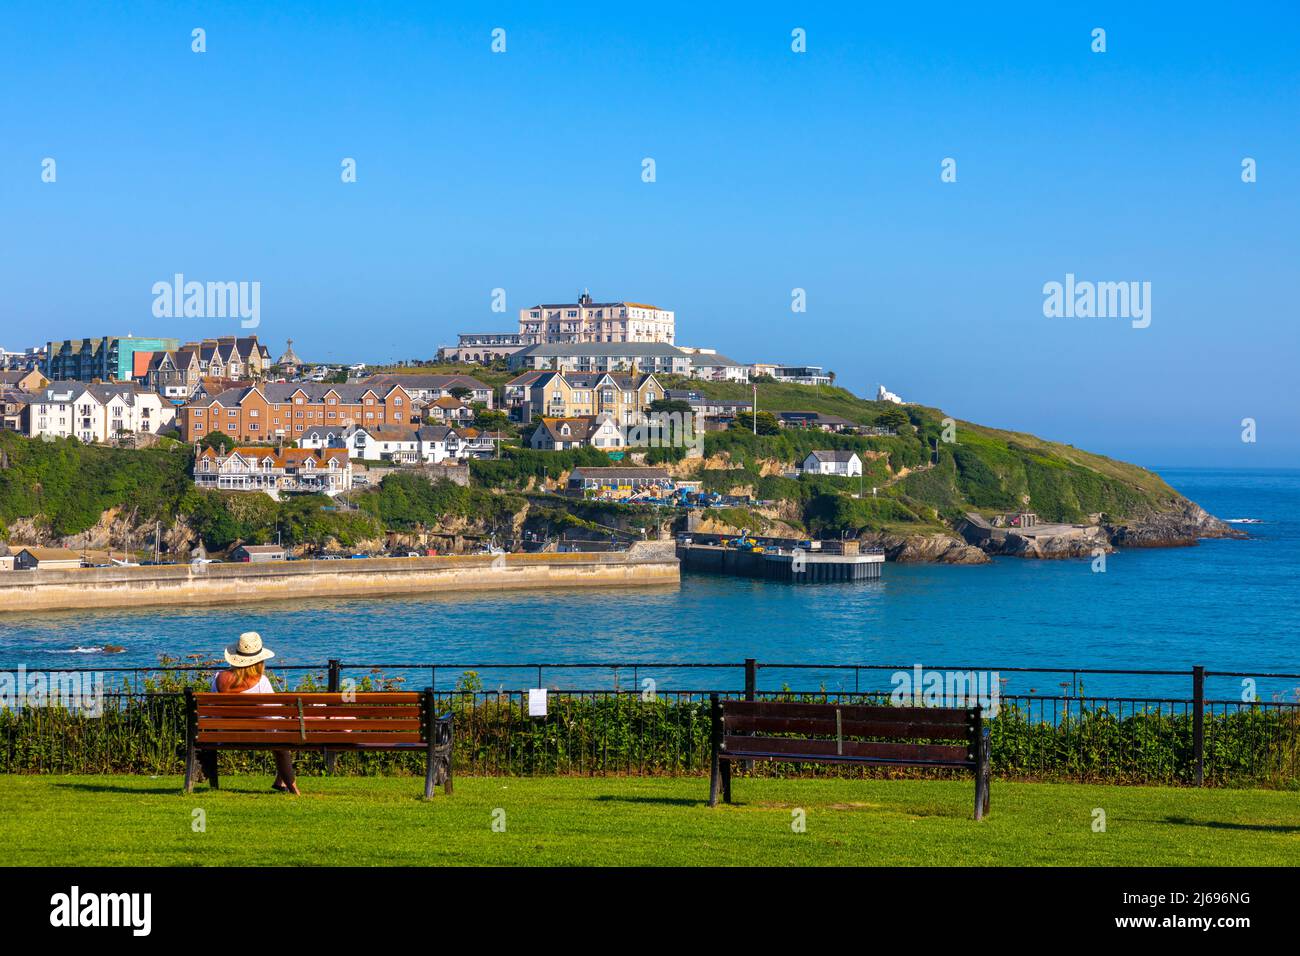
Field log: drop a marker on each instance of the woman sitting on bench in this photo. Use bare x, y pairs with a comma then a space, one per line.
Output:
247, 675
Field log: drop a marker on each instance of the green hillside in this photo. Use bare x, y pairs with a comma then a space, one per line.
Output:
981, 469
916, 481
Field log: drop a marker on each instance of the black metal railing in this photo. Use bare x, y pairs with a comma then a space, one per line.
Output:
652, 718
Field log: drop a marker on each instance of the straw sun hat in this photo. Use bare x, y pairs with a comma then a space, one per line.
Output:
248, 650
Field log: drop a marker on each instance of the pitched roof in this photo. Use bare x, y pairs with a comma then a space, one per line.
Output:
435, 432
51, 554
289, 457
836, 455
281, 393
447, 401
527, 378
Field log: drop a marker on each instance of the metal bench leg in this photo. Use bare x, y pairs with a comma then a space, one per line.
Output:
191, 731
987, 770
446, 770
726, 781
982, 773
715, 779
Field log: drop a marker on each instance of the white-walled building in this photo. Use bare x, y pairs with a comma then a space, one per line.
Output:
97, 413
588, 321
428, 444
259, 468
844, 463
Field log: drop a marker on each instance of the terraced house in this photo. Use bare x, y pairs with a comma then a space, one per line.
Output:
230, 356
625, 397
271, 410
317, 471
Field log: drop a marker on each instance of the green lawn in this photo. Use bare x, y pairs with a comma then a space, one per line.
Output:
58, 820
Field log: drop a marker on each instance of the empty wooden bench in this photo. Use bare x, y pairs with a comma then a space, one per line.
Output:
326, 721
849, 734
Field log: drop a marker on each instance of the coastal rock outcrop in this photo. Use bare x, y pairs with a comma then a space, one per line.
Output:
1171, 529
925, 548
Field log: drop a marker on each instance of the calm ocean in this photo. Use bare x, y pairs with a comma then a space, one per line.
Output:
1228, 605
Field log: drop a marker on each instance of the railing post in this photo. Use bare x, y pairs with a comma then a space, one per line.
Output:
1198, 722
751, 677
333, 687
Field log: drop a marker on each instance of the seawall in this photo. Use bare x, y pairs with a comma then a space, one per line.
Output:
645, 563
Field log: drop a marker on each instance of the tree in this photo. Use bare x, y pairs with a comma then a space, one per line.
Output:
460, 391
894, 418
491, 420
767, 423
670, 405
217, 440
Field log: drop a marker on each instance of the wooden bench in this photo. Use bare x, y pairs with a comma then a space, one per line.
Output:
834, 733
323, 722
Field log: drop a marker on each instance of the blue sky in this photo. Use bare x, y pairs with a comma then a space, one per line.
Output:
775, 170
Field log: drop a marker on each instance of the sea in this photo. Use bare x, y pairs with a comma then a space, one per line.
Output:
1230, 606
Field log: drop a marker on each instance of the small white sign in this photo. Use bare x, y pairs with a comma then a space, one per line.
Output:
537, 702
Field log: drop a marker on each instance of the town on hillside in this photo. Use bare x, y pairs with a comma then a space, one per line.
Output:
585, 376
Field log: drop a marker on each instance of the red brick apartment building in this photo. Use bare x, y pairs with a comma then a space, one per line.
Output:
266, 412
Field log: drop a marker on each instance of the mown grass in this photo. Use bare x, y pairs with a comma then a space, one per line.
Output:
122, 820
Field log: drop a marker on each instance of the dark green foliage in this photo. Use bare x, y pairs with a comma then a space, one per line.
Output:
622, 733
518, 465
408, 501
218, 440
68, 485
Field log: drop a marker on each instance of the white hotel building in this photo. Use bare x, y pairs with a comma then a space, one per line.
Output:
588, 321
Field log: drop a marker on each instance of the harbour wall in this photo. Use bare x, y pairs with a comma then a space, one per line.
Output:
645, 563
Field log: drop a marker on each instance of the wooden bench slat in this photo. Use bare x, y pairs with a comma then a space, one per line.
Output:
308, 710
335, 697
324, 723
290, 736
936, 716
901, 730
752, 748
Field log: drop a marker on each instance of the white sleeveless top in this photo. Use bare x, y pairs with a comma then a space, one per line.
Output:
263, 686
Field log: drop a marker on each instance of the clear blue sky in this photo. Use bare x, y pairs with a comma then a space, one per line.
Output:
775, 171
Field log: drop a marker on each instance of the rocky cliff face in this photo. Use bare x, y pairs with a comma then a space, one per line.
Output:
1181, 527
925, 548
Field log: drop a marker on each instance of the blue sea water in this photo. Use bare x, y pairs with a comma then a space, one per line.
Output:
1229, 605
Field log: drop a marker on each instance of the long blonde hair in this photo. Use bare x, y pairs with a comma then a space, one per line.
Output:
246, 676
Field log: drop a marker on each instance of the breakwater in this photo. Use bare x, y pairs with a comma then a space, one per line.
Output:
649, 562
